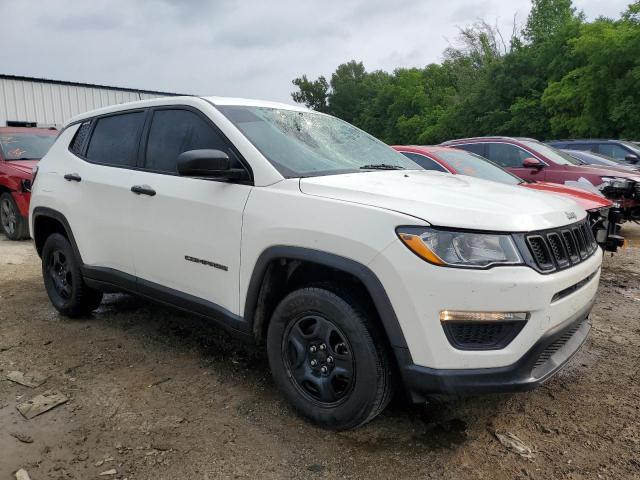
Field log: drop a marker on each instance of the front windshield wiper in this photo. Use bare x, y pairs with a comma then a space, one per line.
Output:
381, 166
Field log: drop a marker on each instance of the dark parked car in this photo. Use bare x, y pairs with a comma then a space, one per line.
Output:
618, 149
533, 160
588, 157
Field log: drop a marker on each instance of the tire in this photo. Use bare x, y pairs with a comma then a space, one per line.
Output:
13, 224
315, 324
63, 281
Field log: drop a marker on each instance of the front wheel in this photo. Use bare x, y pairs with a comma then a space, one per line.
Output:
329, 358
63, 280
13, 224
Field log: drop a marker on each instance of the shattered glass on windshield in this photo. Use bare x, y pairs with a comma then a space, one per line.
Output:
309, 144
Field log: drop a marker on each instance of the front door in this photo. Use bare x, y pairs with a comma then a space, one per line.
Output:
187, 231
511, 157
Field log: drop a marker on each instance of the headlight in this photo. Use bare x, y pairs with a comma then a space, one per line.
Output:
460, 249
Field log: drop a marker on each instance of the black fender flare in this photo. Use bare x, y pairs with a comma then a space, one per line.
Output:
56, 215
361, 272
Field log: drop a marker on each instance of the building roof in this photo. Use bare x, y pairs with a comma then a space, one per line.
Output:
86, 85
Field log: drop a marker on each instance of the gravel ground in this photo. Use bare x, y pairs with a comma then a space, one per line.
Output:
155, 394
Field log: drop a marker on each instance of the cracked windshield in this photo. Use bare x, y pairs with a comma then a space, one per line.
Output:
302, 144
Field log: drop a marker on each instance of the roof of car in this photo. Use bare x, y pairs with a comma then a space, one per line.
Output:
583, 140
426, 148
174, 100
483, 139
250, 102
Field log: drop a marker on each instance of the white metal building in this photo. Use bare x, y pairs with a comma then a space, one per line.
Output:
25, 101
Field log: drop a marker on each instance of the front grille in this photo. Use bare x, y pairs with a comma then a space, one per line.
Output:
481, 335
548, 352
562, 247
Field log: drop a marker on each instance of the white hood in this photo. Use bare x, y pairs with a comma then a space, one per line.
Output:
442, 199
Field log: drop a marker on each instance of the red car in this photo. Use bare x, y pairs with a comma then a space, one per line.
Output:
20, 150
533, 160
452, 160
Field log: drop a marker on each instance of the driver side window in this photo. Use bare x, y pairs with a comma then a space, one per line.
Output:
506, 155
612, 150
174, 131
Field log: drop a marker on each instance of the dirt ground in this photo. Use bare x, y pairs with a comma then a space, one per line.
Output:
156, 394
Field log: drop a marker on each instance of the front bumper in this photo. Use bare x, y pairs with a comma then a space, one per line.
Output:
543, 360
419, 291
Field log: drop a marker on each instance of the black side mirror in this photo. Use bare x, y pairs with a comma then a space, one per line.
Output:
631, 158
208, 164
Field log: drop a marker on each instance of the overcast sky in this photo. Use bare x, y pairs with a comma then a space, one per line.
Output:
247, 48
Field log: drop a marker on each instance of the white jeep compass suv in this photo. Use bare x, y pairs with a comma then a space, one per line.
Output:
358, 270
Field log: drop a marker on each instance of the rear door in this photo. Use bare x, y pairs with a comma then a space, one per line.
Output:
511, 157
186, 234
96, 188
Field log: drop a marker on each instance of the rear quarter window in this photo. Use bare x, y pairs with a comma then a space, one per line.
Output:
79, 141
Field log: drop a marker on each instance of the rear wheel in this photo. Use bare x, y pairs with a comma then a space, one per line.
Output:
63, 280
328, 358
13, 224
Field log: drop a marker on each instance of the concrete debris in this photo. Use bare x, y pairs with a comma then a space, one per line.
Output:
514, 444
41, 403
31, 380
22, 475
24, 438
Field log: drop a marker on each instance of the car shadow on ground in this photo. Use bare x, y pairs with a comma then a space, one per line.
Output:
444, 422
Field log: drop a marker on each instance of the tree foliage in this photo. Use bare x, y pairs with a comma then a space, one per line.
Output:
559, 76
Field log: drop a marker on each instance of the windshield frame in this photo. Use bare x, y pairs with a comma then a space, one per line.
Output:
391, 157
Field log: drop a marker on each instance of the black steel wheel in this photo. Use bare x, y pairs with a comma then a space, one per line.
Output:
66, 288
329, 357
57, 269
13, 224
320, 359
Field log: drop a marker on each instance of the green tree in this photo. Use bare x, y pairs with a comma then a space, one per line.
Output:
312, 93
558, 76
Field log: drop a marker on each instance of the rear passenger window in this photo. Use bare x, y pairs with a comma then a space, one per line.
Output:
477, 148
175, 131
115, 139
424, 162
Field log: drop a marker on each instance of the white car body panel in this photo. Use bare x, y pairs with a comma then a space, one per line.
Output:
443, 199
189, 217
354, 216
98, 207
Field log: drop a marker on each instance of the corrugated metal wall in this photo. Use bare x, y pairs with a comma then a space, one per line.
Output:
50, 103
